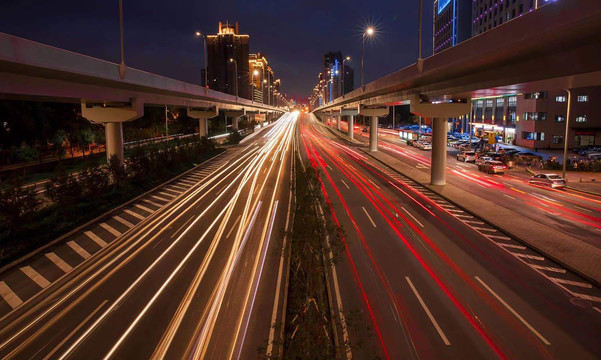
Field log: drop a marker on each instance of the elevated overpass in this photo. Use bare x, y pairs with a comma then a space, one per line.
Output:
556, 46
33, 71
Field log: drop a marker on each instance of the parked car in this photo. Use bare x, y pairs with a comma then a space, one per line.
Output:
493, 167
551, 180
467, 156
424, 145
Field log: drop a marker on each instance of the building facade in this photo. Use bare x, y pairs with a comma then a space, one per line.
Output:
349, 79
262, 79
452, 20
222, 73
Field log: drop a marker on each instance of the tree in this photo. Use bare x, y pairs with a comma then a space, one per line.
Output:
139, 164
234, 137
58, 141
17, 205
64, 190
85, 138
94, 180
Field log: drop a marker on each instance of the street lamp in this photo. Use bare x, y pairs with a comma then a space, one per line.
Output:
368, 32
343, 73
201, 35
232, 60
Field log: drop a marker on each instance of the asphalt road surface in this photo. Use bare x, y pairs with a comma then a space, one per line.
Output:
432, 281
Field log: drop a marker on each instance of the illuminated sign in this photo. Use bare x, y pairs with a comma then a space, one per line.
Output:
442, 4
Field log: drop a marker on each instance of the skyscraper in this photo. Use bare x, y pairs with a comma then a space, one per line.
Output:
490, 14
221, 73
332, 71
452, 23
349, 79
261, 83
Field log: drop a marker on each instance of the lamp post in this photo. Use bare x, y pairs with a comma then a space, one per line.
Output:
201, 35
368, 32
343, 73
122, 67
565, 138
232, 60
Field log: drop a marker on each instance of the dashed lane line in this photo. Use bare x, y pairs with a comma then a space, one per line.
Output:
95, 238
530, 327
35, 276
413, 217
9, 296
369, 217
78, 249
427, 310
59, 262
123, 221
134, 214
345, 184
110, 229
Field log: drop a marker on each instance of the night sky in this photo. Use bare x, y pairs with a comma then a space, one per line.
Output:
293, 35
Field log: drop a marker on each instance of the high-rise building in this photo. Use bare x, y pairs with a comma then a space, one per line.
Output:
221, 71
332, 70
261, 79
452, 23
349, 79
488, 14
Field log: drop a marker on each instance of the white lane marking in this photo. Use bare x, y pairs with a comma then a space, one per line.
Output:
159, 198
548, 268
329, 167
373, 183
166, 194
178, 188
233, 227
144, 208
454, 210
587, 297
425, 307
78, 249
369, 217
35, 276
189, 182
465, 216
570, 282
413, 217
512, 246
173, 192
583, 209
482, 229
473, 222
345, 184
74, 331
123, 221
152, 203
499, 237
110, 229
59, 262
526, 256
9, 296
134, 214
509, 196
95, 238
542, 338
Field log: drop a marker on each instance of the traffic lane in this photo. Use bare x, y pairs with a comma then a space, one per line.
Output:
132, 236
528, 269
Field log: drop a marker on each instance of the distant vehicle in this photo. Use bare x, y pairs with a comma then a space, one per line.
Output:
483, 159
466, 156
551, 180
493, 167
425, 145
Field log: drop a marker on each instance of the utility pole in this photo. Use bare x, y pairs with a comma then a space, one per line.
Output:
122, 66
565, 138
166, 122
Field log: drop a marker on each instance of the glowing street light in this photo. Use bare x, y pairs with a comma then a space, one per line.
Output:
201, 35
348, 58
370, 31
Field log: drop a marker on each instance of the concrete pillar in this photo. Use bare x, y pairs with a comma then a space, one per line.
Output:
338, 118
438, 169
235, 120
203, 128
373, 134
114, 140
351, 126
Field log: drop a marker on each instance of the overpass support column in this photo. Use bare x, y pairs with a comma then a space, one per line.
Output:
235, 115
338, 117
351, 126
114, 140
373, 112
373, 133
202, 116
235, 121
438, 174
112, 115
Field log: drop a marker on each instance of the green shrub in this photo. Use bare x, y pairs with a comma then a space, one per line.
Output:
64, 190
17, 205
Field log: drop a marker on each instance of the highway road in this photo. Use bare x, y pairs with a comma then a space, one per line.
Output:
432, 281
201, 278
568, 211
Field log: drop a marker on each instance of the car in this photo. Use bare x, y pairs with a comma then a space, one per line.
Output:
551, 180
425, 146
410, 142
466, 156
483, 159
493, 167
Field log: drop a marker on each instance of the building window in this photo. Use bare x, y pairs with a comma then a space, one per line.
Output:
512, 101
581, 118
536, 95
527, 135
557, 139
560, 118
488, 103
582, 98
479, 103
540, 116
500, 102
560, 98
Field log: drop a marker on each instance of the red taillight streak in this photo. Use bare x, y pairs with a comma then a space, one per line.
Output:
348, 253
